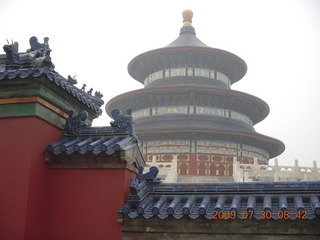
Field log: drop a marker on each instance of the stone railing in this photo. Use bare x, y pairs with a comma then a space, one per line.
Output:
274, 173
245, 172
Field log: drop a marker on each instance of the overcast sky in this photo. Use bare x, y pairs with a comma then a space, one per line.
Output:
278, 39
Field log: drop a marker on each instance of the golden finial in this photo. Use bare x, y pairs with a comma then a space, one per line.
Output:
187, 17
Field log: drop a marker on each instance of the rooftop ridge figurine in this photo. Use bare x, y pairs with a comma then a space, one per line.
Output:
142, 185
37, 56
74, 124
12, 52
72, 80
97, 94
149, 176
121, 123
40, 49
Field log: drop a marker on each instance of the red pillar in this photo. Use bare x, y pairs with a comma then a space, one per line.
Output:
193, 164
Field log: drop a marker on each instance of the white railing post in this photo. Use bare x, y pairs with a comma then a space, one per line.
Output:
315, 170
276, 177
296, 170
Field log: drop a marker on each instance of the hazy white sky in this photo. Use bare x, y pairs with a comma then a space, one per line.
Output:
278, 39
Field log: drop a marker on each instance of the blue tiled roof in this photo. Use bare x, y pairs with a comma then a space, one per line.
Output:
94, 140
258, 200
81, 146
92, 102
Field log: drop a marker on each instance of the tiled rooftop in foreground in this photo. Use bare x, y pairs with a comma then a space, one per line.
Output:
213, 201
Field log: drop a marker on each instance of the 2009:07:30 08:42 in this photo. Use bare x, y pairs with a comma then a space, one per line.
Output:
263, 214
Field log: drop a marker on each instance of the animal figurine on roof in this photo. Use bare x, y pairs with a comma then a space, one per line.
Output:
121, 123
150, 176
74, 124
40, 49
12, 52
72, 80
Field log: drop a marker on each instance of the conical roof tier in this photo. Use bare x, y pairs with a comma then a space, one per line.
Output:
187, 107
187, 50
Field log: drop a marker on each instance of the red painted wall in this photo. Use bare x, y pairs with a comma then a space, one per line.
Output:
82, 203
23, 176
37, 203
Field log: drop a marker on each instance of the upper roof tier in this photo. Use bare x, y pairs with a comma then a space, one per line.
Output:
187, 50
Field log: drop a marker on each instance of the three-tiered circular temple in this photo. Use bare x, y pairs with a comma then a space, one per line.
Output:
188, 109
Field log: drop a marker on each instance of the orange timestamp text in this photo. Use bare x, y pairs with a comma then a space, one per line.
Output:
262, 214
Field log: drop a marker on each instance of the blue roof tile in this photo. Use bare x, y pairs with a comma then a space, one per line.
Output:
257, 200
78, 138
95, 145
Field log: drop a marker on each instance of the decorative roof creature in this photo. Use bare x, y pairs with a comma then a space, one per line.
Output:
74, 124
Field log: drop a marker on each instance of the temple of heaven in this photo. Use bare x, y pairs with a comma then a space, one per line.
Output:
188, 111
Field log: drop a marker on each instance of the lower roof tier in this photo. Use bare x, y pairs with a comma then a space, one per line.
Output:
251, 106
161, 131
